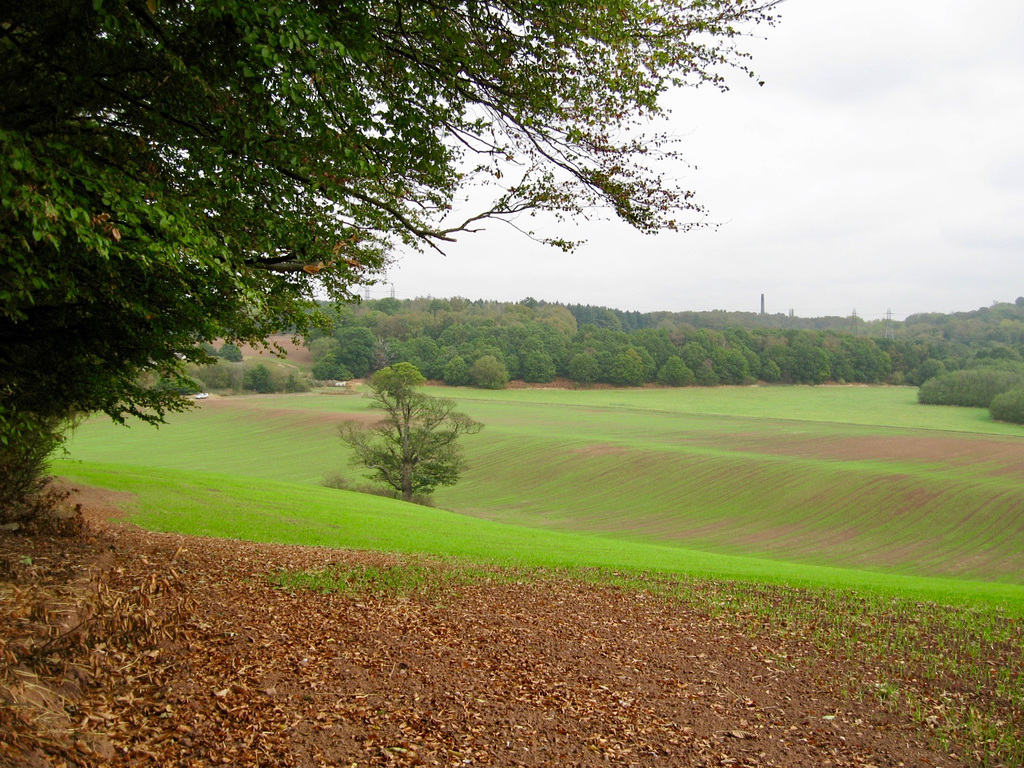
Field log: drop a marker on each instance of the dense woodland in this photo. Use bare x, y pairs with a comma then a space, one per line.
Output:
487, 344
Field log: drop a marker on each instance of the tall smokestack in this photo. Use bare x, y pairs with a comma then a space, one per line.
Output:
762, 303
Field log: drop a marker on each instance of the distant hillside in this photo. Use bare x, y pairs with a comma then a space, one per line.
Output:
485, 344
719, 319
1001, 323
998, 327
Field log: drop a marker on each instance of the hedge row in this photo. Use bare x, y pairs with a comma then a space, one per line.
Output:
973, 388
1009, 406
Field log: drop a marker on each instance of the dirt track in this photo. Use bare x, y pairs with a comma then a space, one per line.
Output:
177, 651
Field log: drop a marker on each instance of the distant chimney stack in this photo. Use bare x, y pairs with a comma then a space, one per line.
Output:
762, 303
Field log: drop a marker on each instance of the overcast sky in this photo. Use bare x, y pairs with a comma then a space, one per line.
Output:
881, 166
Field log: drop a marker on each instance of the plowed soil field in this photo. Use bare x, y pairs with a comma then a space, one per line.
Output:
124, 647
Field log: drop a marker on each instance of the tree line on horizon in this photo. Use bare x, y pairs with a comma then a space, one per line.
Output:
480, 343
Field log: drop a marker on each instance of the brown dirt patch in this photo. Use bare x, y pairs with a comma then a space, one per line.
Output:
256, 409
295, 352
560, 383
187, 656
998, 456
600, 449
97, 503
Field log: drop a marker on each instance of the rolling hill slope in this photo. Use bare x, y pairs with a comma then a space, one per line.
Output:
809, 475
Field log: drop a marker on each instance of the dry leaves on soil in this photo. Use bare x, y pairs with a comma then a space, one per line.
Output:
123, 647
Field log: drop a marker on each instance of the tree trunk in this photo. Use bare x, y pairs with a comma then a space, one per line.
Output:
407, 480
407, 462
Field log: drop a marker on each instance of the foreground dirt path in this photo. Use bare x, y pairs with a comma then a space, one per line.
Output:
124, 647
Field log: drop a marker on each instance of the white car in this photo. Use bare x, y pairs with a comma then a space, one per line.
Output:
201, 395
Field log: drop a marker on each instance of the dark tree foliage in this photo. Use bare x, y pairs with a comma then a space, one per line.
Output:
456, 372
657, 343
542, 341
355, 351
998, 326
928, 369
330, 368
526, 334
177, 171
488, 373
230, 352
674, 373
537, 367
258, 379
974, 388
424, 353
1009, 406
862, 361
706, 375
23, 481
583, 368
625, 368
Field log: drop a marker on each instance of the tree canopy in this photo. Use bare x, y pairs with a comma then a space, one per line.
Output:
414, 448
178, 171
488, 343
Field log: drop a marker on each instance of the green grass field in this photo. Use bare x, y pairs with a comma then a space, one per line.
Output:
860, 482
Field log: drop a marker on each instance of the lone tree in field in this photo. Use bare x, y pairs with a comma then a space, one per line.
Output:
177, 171
414, 448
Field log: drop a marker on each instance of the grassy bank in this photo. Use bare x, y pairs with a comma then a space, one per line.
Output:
208, 504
